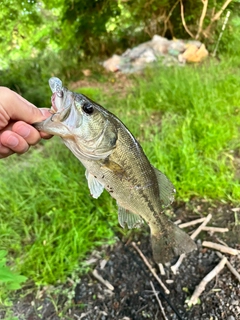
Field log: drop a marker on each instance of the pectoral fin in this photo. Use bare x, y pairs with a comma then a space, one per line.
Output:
96, 188
167, 190
114, 167
126, 217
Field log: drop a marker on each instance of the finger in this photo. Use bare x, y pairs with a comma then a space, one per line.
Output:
46, 113
28, 132
14, 142
18, 108
4, 151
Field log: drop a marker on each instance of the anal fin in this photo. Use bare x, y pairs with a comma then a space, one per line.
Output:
125, 217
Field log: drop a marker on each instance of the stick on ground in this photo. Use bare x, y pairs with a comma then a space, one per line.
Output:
191, 223
100, 278
158, 300
230, 267
220, 247
161, 269
215, 229
201, 287
150, 268
175, 267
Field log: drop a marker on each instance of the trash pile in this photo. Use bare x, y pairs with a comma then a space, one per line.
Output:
169, 51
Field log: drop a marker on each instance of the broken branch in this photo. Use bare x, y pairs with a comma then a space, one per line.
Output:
199, 229
150, 267
161, 269
100, 278
191, 223
230, 267
201, 287
158, 300
215, 229
175, 267
216, 17
220, 247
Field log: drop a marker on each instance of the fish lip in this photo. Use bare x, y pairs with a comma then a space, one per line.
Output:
55, 85
58, 99
54, 107
63, 108
58, 91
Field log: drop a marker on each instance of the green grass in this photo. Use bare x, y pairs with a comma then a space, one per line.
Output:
48, 219
187, 120
194, 134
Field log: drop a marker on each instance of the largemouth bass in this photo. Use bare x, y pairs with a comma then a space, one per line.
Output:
115, 161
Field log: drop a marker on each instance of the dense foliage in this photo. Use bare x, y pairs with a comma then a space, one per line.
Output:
41, 38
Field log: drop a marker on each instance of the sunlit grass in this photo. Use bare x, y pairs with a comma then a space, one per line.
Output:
187, 120
48, 219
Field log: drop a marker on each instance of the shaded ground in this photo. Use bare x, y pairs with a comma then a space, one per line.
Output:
132, 297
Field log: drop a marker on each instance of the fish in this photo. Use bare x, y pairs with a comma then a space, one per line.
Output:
115, 161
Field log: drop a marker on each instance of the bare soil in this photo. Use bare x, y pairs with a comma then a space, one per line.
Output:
133, 297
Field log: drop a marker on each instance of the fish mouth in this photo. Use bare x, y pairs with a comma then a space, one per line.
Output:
64, 116
54, 106
60, 123
62, 101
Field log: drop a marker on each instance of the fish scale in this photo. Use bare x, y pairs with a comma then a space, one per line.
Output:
115, 161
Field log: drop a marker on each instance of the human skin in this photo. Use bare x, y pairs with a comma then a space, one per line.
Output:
16, 115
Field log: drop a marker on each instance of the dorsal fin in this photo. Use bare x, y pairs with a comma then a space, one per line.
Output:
167, 190
125, 217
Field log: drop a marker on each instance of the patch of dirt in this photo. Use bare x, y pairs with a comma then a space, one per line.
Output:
118, 83
133, 297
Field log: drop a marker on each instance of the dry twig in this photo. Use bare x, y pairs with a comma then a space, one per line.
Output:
175, 267
216, 17
218, 14
221, 241
235, 209
215, 229
191, 223
100, 278
200, 228
230, 267
150, 267
177, 222
201, 287
158, 300
220, 247
161, 269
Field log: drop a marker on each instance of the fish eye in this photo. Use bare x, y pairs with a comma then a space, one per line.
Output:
88, 107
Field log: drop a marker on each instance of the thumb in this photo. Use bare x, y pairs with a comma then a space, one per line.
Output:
19, 108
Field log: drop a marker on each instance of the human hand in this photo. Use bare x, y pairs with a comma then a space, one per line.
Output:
16, 115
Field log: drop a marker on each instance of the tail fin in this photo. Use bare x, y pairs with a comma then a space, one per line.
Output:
169, 241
